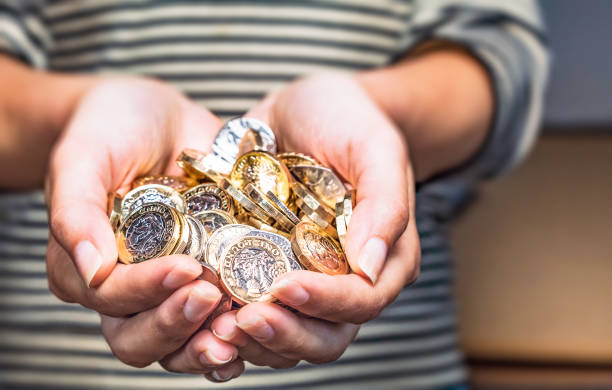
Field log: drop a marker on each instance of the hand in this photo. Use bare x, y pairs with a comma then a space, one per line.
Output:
334, 120
123, 128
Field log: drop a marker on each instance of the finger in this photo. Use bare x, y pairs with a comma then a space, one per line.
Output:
350, 298
225, 328
153, 334
227, 372
202, 354
77, 199
128, 289
295, 337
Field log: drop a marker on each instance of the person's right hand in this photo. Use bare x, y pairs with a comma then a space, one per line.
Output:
123, 128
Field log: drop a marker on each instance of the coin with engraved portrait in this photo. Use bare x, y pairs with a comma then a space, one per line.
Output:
248, 267
322, 181
179, 183
220, 238
208, 196
317, 250
264, 171
241, 135
151, 193
282, 242
291, 159
214, 219
152, 231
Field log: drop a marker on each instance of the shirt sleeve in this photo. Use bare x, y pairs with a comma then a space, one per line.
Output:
507, 37
23, 32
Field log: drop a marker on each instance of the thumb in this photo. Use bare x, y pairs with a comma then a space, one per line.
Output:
382, 209
77, 190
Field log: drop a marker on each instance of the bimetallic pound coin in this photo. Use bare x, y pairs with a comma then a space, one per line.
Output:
341, 225
265, 227
208, 196
318, 251
264, 171
214, 219
197, 239
349, 201
114, 211
203, 166
249, 265
245, 202
283, 208
268, 207
152, 231
179, 183
311, 206
220, 238
283, 243
291, 159
322, 182
230, 139
151, 193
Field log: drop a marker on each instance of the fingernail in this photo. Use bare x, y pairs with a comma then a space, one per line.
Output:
290, 292
372, 258
88, 260
257, 327
199, 303
221, 376
179, 276
224, 336
209, 358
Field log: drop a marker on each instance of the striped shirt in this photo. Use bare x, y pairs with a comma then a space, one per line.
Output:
226, 55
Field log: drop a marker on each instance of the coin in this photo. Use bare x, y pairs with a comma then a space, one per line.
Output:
318, 251
208, 196
283, 208
245, 202
282, 242
341, 225
227, 143
265, 227
179, 183
114, 211
264, 171
311, 206
321, 181
249, 265
348, 205
214, 219
262, 200
201, 166
151, 231
291, 159
151, 193
220, 238
197, 239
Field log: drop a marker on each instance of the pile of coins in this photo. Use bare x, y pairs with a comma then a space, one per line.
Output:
247, 213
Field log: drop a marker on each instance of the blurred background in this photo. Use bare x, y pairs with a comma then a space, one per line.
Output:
534, 254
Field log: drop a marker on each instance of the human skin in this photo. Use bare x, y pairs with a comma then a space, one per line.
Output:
439, 103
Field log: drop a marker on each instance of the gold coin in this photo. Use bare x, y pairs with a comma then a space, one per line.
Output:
268, 207
309, 203
327, 228
264, 171
349, 202
114, 211
283, 208
245, 202
344, 211
151, 193
208, 196
321, 181
265, 227
153, 230
318, 251
249, 265
214, 219
179, 183
199, 165
291, 159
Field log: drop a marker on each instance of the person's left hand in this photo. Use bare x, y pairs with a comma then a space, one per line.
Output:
333, 119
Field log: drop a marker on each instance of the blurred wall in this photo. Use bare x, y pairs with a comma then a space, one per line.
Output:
580, 33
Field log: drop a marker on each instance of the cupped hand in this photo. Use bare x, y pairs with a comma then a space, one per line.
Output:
333, 119
123, 128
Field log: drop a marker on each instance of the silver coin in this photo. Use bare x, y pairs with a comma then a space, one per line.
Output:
222, 237
282, 242
151, 193
197, 240
227, 144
